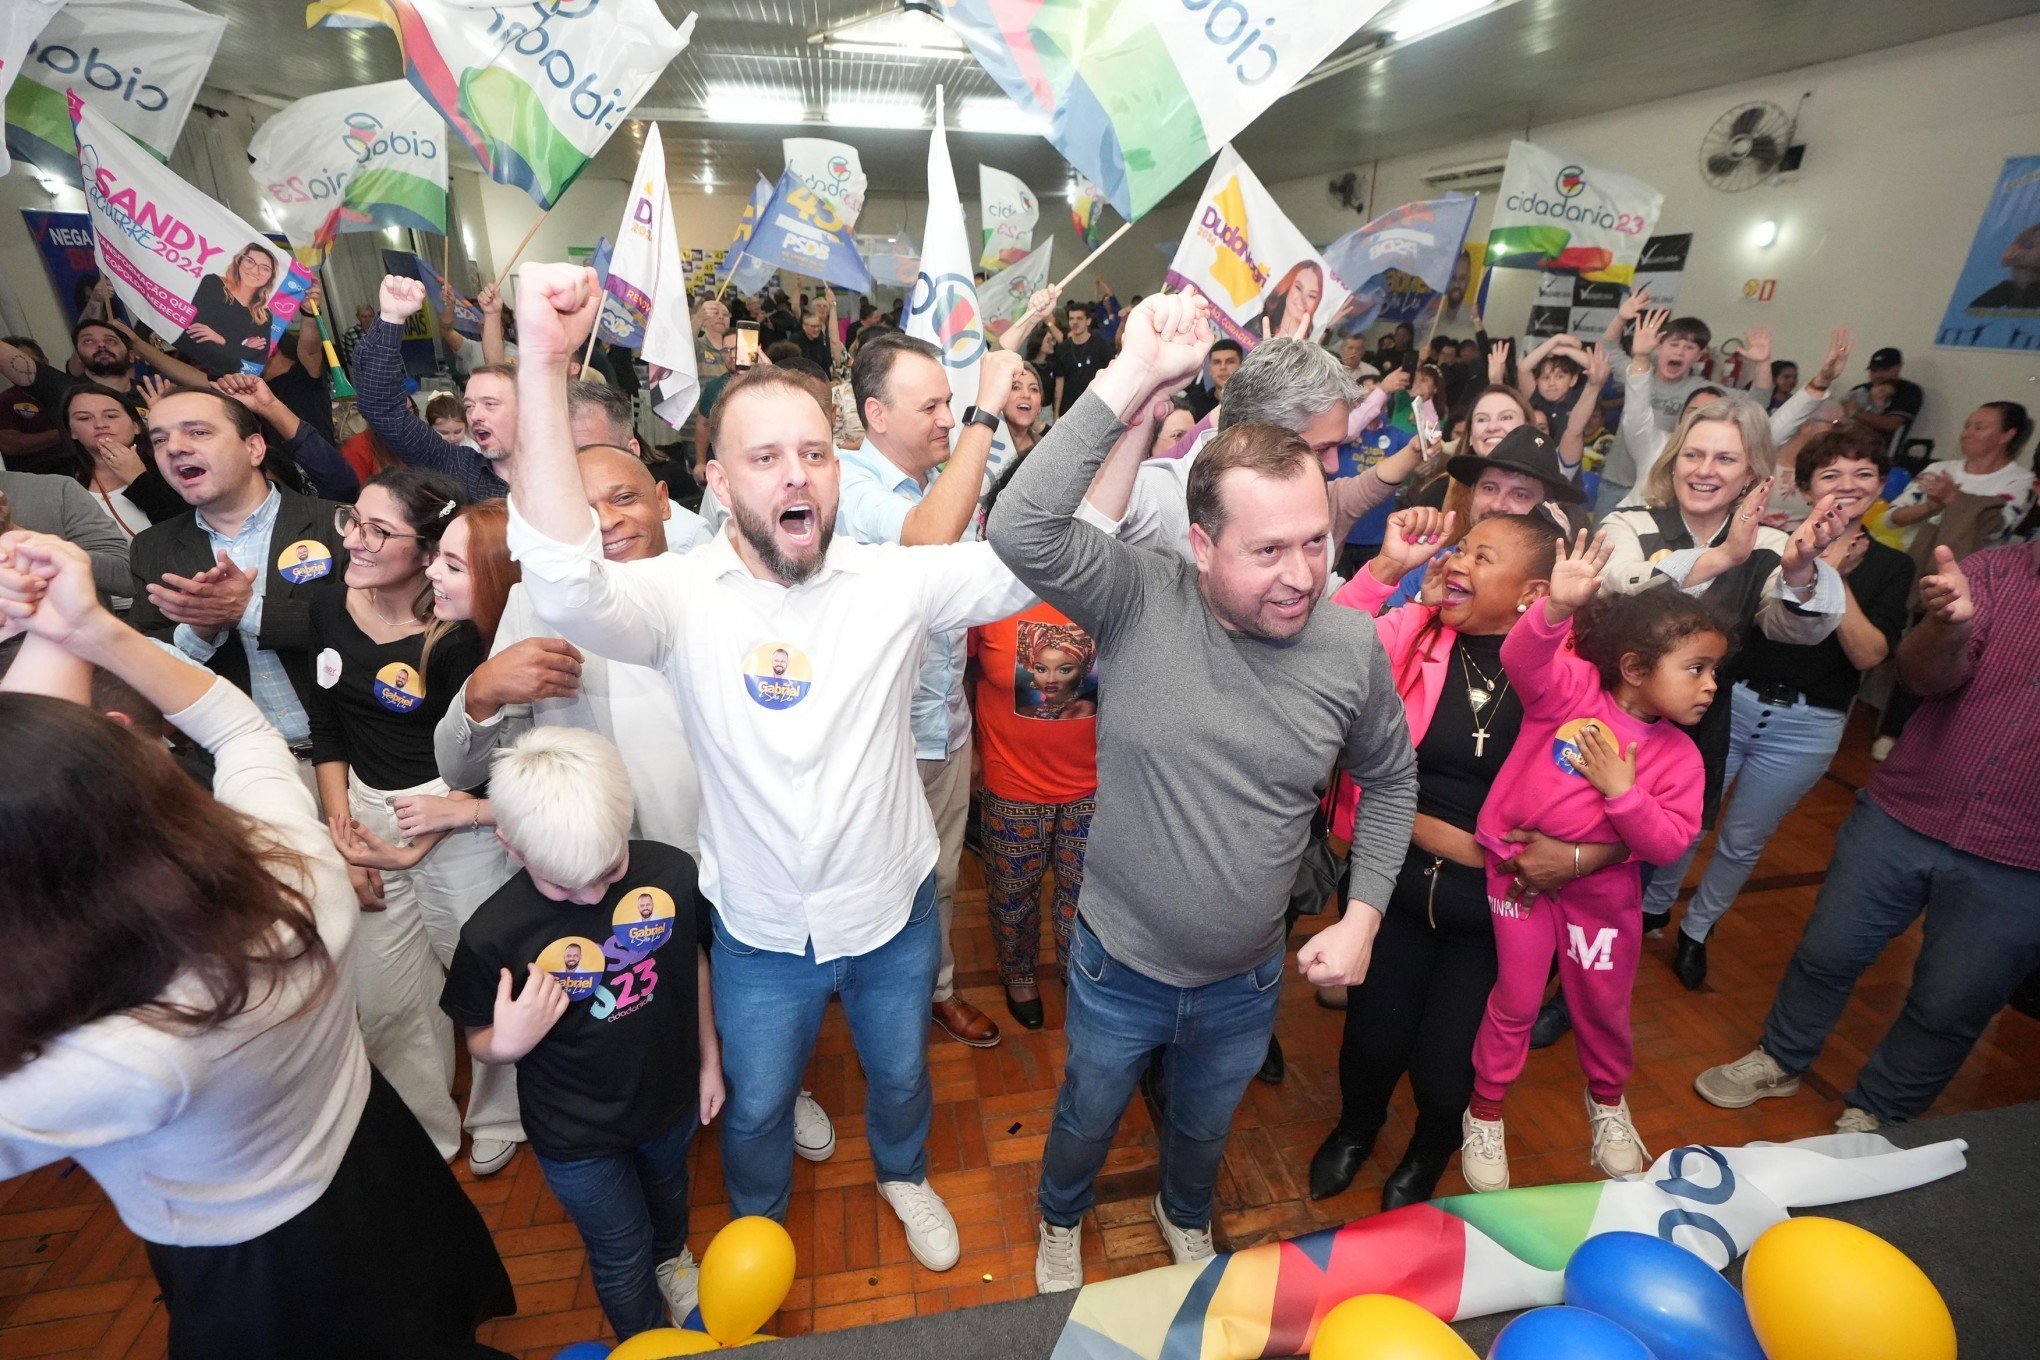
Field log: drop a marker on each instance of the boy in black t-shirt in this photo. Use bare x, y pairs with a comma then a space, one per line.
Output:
611, 1029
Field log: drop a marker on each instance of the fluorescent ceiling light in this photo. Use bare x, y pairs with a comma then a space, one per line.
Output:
739, 104
991, 114
852, 113
1427, 16
851, 48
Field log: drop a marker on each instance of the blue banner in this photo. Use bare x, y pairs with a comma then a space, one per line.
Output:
801, 232
467, 316
1418, 244
1996, 303
751, 274
65, 240
421, 355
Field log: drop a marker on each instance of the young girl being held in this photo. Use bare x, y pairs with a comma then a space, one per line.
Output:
1600, 760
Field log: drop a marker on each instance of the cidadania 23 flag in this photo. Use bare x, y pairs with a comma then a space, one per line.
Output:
353, 160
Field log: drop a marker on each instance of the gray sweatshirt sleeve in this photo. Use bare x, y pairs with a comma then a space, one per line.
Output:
1382, 761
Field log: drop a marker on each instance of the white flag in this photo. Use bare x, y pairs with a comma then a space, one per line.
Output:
1005, 293
353, 160
1251, 263
831, 169
139, 63
1569, 216
19, 23
1010, 211
645, 276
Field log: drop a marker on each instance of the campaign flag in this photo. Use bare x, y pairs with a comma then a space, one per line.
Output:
894, 261
1997, 294
1468, 1256
1138, 94
19, 25
1419, 240
534, 90
800, 231
1565, 215
1005, 293
649, 286
831, 169
353, 160
65, 242
745, 272
1087, 214
1251, 263
467, 313
140, 62
182, 263
1009, 210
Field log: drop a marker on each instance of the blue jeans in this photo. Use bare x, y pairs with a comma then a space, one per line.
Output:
1213, 1039
631, 1210
1775, 754
768, 1008
1980, 938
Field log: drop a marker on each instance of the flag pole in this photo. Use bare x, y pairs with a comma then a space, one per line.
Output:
720, 287
1085, 263
530, 232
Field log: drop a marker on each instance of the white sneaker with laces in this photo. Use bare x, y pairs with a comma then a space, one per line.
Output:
680, 1282
1483, 1156
1856, 1120
487, 1156
1185, 1244
931, 1232
1618, 1151
814, 1136
1058, 1259
1753, 1077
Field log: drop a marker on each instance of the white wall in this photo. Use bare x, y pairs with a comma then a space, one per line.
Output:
1903, 150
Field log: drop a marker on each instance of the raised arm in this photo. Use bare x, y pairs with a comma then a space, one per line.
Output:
1572, 441
1935, 657
379, 394
1549, 677
1040, 307
311, 344
330, 474
494, 348
946, 511
176, 370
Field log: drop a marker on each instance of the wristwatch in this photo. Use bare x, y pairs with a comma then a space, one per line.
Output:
973, 416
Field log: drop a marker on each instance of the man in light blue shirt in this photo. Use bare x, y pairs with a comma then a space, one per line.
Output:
891, 493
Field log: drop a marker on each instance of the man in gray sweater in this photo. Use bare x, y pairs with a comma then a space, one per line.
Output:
1229, 698
52, 504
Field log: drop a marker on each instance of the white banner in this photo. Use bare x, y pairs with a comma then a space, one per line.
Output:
1010, 211
140, 62
831, 169
19, 23
353, 160
1253, 266
1005, 293
183, 264
646, 277
1566, 215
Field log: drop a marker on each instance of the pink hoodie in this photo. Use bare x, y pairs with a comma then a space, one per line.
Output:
1419, 682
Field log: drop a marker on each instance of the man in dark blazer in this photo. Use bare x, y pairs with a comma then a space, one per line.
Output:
231, 585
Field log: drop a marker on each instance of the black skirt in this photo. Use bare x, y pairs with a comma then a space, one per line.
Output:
392, 1262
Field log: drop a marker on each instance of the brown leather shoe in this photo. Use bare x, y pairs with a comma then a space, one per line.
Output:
965, 1023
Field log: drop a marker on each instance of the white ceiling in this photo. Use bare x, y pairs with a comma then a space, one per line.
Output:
1515, 64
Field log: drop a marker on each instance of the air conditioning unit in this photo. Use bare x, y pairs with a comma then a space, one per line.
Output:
1466, 174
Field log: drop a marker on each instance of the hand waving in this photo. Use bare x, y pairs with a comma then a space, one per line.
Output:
1756, 343
1414, 536
1630, 306
1576, 578
1837, 361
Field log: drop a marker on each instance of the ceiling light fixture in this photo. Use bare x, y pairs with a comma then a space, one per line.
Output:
854, 113
739, 104
986, 113
1428, 16
1765, 234
850, 47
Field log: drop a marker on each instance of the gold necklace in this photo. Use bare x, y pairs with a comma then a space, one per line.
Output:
1478, 696
388, 622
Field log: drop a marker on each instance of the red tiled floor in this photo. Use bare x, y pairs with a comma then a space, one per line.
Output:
73, 1282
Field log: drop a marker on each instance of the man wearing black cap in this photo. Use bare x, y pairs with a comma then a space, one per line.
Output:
1887, 403
1518, 475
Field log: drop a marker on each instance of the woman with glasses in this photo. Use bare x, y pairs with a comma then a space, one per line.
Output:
384, 669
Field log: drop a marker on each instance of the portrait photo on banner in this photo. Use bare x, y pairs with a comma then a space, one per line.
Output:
1260, 274
1996, 302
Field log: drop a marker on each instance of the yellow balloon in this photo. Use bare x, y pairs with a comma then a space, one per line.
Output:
663, 1343
754, 1340
745, 1274
1821, 1289
1384, 1327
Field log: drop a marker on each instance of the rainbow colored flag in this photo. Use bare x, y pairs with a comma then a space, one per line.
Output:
534, 91
1087, 214
1139, 93
352, 160
1472, 1255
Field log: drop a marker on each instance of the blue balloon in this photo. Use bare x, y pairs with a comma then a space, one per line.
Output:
1567, 1334
584, 1350
1670, 1299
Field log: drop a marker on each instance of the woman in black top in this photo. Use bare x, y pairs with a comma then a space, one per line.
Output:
229, 330
1790, 702
1434, 959
384, 670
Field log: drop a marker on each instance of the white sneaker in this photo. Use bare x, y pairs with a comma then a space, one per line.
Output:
680, 1282
1618, 1151
1185, 1244
814, 1137
1855, 1120
1058, 1259
1483, 1157
931, 1232
1753, 1077
487, 1156
1881, 747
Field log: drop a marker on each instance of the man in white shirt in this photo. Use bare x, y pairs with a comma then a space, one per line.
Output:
891, 493
817, 847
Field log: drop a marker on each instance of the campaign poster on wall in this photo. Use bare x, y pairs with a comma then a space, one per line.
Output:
1996, 302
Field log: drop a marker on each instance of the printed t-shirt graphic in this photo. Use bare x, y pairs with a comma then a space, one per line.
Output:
1055, 671
777, 674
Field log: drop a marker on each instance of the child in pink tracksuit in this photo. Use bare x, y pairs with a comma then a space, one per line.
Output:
1597, 762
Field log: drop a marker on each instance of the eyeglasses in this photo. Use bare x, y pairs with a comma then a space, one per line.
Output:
346, 520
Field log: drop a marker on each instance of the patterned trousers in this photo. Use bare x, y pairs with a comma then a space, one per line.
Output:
1019, 841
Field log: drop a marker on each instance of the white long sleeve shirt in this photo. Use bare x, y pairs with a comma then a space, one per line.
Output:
796, 701
211, 1139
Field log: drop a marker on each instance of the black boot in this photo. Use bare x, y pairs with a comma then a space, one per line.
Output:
1336, 1162
1415, 1178
1272, 1067
1553, 1022
1654, 923
1689, 961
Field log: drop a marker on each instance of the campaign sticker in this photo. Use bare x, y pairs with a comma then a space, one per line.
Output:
398, 687
575, 963
328, 666
305, 560
1565, 743
777, 675
643, 919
